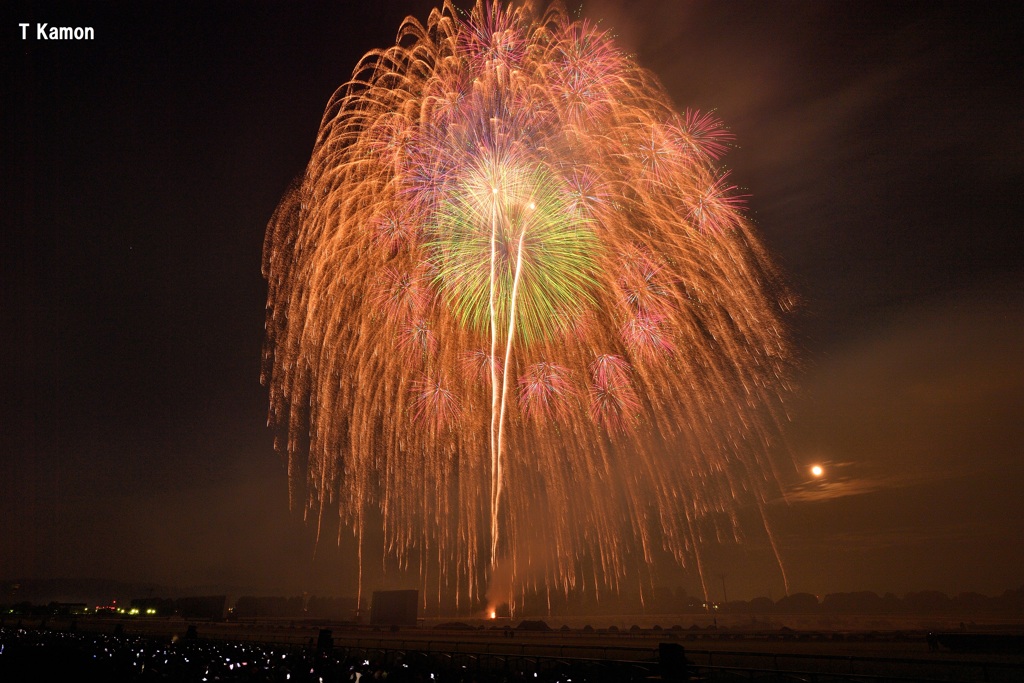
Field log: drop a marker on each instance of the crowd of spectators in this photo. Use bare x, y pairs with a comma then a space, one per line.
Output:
54, 655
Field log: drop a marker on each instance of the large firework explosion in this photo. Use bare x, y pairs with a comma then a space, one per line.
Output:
516, 316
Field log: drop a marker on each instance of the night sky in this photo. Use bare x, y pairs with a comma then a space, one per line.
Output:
881, 145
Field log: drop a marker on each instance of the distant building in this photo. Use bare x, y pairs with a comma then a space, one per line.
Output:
395, 608
341, 609
203, 607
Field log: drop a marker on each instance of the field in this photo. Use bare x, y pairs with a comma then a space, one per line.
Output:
858, 647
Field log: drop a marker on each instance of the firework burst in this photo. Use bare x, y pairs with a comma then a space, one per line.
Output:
515, 285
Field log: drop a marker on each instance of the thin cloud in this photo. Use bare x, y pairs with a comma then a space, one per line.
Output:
847, 479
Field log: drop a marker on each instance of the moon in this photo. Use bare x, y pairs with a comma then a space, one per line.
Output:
817, 470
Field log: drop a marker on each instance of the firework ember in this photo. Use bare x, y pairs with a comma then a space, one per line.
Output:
516, 312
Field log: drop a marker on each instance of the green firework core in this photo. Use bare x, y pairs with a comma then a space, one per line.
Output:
522, 207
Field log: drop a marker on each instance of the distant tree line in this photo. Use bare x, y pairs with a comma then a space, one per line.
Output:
197, 607
213, 607
193, 607
312, 607
869, 602
662, 601
676, 601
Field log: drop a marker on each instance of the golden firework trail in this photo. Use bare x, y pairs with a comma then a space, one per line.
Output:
515, 310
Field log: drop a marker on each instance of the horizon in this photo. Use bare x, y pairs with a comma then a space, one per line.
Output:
155, 591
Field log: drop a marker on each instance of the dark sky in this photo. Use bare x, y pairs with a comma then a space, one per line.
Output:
882, 146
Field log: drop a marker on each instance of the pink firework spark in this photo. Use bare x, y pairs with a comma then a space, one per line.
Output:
613, 401
645, 336
434, 404
417, 340
644, 282
478, 365
402, 295
543, 391
713, 207
702, 134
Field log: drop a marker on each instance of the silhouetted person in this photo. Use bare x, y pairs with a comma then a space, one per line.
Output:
672, 662
324, 642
